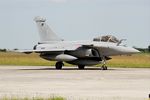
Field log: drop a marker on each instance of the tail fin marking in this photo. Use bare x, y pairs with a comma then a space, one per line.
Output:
45, 32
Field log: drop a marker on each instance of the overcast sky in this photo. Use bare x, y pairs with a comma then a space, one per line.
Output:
74, 20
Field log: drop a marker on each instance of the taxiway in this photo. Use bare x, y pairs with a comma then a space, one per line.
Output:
74, 84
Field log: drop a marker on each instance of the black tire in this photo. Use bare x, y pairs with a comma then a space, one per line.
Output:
81, 66
59, 65
104, 67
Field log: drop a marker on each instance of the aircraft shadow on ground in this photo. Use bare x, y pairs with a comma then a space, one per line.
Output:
63, 69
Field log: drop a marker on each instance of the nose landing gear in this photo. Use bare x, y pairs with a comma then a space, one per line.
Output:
103, 67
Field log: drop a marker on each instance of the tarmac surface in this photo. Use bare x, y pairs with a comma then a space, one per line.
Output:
74, 84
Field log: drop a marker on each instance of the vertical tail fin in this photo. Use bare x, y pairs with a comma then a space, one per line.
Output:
45, 32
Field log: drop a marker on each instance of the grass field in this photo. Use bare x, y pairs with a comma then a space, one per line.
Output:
138, 60
141, 60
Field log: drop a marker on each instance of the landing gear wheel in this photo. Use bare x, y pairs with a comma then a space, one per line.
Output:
59, 65
81, 66
104, 67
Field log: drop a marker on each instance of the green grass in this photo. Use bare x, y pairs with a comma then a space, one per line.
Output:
32, 98
10, 58
141, 60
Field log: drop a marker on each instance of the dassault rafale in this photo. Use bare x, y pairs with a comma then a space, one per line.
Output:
80, 53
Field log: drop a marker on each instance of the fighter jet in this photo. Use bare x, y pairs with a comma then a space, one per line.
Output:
80, 53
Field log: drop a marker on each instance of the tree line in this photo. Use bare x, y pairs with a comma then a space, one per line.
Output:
144, 49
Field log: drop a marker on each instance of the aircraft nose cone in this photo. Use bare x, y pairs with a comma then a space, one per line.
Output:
132, 50
127, 50
135, 51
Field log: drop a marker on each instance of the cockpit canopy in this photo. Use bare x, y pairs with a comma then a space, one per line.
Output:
107, 38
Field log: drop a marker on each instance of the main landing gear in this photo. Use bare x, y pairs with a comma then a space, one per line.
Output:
59, 65
81, 66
